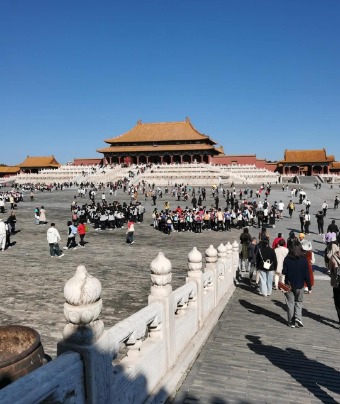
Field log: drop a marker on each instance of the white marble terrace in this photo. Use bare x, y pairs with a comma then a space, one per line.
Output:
144, 357
194, 174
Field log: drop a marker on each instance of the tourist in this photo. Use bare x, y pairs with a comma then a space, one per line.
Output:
309, 255
53, 239
324, 208
281, 252
291, 208
277, 239
333, 228
71, 237
336, 203
320, 221
295, 270
2, 205
332, 259
252, 257
2, 235
12, 222
281, 206
307, 222
245, 239
266, 265
37, 215
42, 216
82, 228
130, 232
292, 240
302, 220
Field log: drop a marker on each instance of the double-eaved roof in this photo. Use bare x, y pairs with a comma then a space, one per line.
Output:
40, 162
161, 132
306, 156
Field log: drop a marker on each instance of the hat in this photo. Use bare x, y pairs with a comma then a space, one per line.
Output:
301, 235
306, 245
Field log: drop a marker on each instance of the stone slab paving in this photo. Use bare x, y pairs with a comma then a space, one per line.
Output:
31, 285
253, 357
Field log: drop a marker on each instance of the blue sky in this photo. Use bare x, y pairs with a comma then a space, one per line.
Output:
258, 76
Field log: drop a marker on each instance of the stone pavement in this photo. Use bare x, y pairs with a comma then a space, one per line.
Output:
253, 357
31, 288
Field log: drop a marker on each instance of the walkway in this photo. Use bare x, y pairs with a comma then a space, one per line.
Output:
253, 357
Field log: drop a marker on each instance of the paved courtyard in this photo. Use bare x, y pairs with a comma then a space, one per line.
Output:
32, 283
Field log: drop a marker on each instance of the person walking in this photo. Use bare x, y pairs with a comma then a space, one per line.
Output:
332, 257
307, 250
302, 220
291, 208
2, 235
245, 239
266, 265
42, 216
281, 252
324, 208
82, 232
295, 270
320, 221
71, 238
336, 203
130, 232
53, 238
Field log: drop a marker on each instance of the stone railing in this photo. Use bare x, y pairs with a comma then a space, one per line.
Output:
144, 357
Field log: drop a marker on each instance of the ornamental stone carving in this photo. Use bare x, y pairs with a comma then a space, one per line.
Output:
82, 307
161, 275
211, 255
221, 252
194, 260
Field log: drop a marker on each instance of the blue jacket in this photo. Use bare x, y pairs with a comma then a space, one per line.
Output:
296, 272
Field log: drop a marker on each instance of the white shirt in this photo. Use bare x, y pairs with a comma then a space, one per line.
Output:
53, 235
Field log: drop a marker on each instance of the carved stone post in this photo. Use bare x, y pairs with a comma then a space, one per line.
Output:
222, 257
161, 292
195, 274
84, 333
236, 257
82, 308
211, 264
229, 265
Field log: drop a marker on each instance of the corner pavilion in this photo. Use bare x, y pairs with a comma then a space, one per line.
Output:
165, 142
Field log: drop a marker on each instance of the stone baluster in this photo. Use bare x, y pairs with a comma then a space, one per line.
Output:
161, 292
195, 274
222, 258
229, 265
84, 333
236, 257
82, 308
211, 264
134, 346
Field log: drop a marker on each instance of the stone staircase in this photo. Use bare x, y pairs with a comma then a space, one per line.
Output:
308, 179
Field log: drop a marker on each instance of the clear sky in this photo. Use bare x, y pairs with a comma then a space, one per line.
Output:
258, 76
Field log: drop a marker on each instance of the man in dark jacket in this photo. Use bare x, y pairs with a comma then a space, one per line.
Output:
295, 269
266, 264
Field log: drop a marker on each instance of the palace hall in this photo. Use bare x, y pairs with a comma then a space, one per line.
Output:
306, 162
165, 142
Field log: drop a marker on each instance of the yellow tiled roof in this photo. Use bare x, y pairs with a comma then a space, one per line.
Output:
161, 132
39, 162
9, 169
158, 148
306, 156
335, 165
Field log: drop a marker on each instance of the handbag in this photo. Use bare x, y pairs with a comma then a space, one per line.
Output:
266, 264
285, 288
